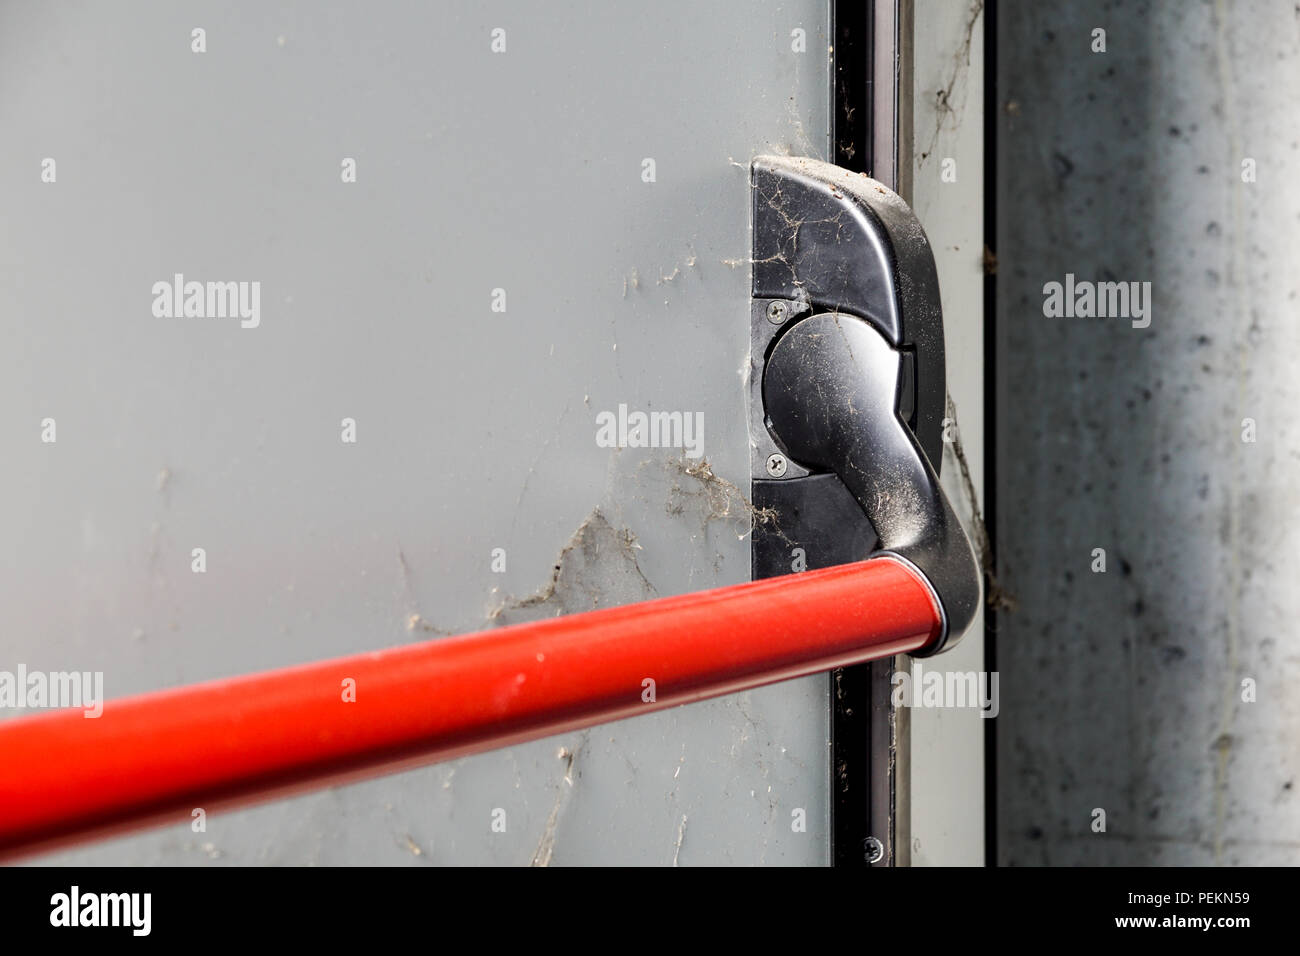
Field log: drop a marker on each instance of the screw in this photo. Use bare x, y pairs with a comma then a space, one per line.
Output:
777, 312
874, 850
776, 465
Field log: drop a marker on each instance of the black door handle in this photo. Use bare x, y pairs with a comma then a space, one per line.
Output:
851, 383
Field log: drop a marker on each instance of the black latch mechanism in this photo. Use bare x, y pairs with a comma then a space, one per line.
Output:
847, 383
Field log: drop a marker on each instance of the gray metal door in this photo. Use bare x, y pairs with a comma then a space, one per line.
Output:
472, 232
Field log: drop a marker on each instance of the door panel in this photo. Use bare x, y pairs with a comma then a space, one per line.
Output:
476, 429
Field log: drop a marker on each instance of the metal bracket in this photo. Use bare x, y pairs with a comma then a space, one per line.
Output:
849, 386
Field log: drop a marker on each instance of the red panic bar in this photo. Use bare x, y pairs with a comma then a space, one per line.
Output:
156, 757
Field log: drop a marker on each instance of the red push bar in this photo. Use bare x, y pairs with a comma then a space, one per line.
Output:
156, 757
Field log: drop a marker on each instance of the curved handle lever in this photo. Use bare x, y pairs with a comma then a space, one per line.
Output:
852, 383
830, 392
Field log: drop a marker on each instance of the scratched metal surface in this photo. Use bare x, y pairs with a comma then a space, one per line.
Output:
476, 429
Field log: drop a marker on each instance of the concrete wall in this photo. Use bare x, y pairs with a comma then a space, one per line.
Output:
1123, 691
